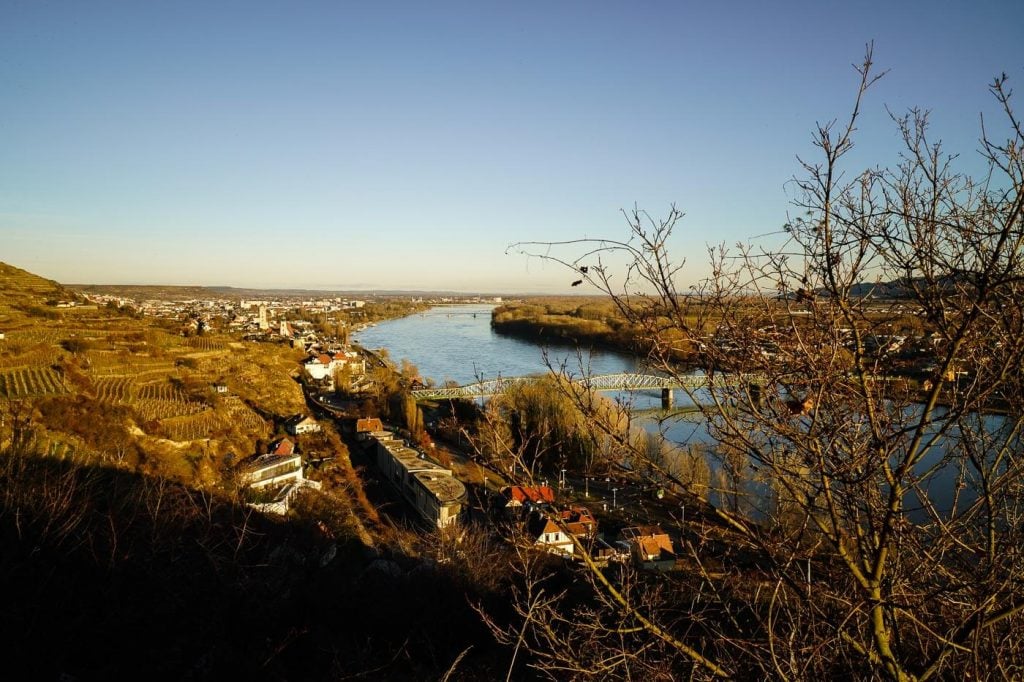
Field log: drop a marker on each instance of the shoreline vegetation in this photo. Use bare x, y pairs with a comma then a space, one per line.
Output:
594, 323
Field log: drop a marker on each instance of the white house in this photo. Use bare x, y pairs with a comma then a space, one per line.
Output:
576, 522
547, 535
324, 365
282, 473
268, 470
300, 424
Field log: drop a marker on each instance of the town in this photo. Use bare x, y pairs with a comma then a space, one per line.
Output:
555, 518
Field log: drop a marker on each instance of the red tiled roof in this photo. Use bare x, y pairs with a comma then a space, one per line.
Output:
369, 424
282, 447
537, 494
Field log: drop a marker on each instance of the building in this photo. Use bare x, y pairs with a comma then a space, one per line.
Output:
300, 424
323, 366
518, 498
267, 470
430, 488
282, 446
558, 532
367, 426
547, 535
277, 479
650, 547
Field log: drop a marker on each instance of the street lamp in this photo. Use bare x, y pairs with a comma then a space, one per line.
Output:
586, 486
561, 482
613, 498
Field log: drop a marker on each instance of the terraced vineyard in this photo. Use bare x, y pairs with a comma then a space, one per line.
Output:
193, 427
22, 281
206, 422
62, 449
37, 335
244, 416
116, 365
115, 390
151, 409
160, 391
30, 382
42, 356
205, 343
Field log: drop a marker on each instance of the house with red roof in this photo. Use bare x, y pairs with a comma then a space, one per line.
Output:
517, 496
281, 447
557, 532
322, 366
650, 547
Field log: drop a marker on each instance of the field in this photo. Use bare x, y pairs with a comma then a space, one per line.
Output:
208, 423
30, 382
103, 382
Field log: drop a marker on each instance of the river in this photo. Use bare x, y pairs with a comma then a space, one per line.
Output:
456, 343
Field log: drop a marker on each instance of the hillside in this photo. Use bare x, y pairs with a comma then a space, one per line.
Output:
21, 291
123, 529
102, 385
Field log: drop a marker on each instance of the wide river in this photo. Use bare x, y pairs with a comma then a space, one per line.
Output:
456, 343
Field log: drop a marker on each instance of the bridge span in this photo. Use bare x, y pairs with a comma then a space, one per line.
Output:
600, 382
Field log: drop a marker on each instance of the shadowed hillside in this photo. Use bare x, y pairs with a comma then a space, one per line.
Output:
113, 575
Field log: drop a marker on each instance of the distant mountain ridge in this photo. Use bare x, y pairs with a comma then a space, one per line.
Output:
171, 291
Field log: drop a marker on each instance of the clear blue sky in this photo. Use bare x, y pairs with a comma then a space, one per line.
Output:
404, 145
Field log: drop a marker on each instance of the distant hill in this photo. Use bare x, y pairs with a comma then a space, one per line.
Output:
887, 290
16, 282
21, 291
174, 292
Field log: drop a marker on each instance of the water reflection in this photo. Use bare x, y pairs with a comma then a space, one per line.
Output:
456, 343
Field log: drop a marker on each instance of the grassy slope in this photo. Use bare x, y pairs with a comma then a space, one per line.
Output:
103, 385
132, 560
133, 577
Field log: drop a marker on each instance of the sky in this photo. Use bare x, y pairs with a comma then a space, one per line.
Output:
388, 145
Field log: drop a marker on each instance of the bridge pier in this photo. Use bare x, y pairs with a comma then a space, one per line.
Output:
755, 395
666, 399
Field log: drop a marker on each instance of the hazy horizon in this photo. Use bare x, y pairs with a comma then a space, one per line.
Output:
403, 146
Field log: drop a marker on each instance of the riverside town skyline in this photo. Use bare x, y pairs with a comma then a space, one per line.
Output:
404, 146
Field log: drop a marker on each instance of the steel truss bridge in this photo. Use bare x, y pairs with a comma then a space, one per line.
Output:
600, 382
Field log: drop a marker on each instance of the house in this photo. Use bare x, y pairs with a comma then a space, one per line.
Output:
220, 388
547, 535
555, 532
518, 496
277, 478
282, 446
322, 366
271, 469
300, 424
367, 426
579, 521
650, 547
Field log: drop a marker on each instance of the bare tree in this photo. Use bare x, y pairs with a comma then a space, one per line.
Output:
883, 537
